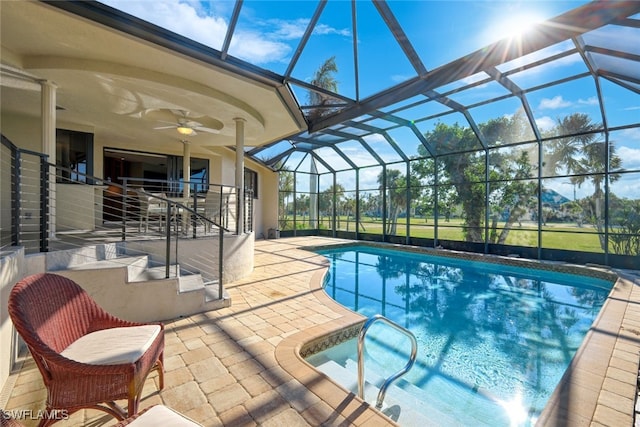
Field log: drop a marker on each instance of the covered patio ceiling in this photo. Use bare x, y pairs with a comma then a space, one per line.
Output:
586, 59
120, 79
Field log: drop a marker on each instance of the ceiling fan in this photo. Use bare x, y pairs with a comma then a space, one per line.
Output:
185, 122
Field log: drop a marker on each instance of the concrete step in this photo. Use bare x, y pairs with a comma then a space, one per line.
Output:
190, 283
409, 405
399, 404
109, 275
136, 262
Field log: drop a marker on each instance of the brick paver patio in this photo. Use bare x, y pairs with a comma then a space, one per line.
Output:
239, 366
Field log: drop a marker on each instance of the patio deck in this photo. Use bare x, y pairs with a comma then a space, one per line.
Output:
238, 366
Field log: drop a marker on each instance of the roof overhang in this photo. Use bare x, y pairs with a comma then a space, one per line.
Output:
111, 70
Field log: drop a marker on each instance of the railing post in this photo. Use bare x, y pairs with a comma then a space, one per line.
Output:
123, 209
177, 241
167, 261
44, 204
17, 198
195, 209
220, 259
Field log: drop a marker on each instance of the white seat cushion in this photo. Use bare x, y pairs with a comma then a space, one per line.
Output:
160, 415
112, 346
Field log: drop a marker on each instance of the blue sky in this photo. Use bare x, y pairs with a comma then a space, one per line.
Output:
268, 33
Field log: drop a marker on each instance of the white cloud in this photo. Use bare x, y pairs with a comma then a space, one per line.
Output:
255, 49
265, 42
545, 123
553, 103
632, 133
627, 186
630, 157
288, 30
589, 101
324, 29
374, 137
369, 178
632, 108
182, 18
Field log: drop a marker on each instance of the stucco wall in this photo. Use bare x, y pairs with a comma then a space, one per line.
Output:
23, 131
238, 254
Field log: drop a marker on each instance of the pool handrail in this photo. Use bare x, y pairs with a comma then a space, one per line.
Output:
412, 358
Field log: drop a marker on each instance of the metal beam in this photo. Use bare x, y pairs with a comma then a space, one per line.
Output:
400, 36
305, 38
230, 29
571, 24
508, 84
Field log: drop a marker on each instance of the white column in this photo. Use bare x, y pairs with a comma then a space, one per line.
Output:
48, 117
313, 194
186, 168
240, 172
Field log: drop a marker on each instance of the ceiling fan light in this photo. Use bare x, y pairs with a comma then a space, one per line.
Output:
184, 130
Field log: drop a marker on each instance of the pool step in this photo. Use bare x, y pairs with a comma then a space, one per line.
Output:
395, 403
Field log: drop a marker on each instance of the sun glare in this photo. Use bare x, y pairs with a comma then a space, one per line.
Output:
515, 410
519, 24
513, 26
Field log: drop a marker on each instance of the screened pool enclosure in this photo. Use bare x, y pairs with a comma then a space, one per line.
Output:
528, 147
433, 123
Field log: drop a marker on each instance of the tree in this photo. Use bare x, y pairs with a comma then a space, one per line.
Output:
581, 152
348, 207
323, 78
285, 192
509, 193
325, 201
624, 226
302, 209
464, 171
396, 190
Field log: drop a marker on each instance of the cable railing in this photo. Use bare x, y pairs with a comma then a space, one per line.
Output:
46, 208
214, 201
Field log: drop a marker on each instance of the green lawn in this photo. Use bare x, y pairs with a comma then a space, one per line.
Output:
554, 236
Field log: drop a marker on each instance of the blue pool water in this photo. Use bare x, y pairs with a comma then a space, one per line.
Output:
493, 340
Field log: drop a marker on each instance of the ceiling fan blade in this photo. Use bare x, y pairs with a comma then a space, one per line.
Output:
210, 123
165, 127
161, 115
208, 130
184, 114
190, 123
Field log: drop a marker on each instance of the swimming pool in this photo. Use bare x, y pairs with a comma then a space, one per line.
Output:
494, 339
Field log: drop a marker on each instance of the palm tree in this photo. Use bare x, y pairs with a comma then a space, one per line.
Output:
285, 191
396, 190
583, 154
325, 201
323, 78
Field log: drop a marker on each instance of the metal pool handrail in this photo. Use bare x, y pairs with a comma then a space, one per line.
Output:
392, 378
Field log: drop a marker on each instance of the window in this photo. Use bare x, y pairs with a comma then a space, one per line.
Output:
251, 182
155, 172
199, 178
74, 154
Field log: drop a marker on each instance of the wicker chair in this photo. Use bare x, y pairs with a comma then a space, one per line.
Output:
87, 357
